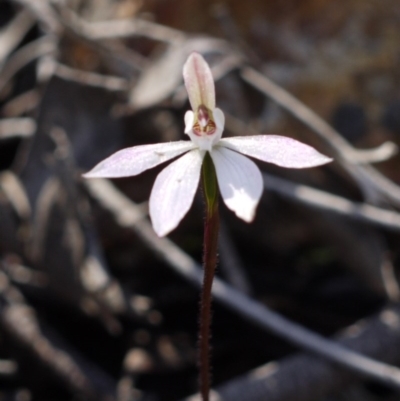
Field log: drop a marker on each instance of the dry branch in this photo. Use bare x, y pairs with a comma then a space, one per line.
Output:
14, 32
304, 377
38, 48
115, 202
323, 200
21, 323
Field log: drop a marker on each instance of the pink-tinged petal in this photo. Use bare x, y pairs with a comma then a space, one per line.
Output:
239, 181
199, 82
132, 161
279, 150
189, 120
173, 192
219, 118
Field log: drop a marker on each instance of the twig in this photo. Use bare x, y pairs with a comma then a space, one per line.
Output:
381, 153
80, 29
17, 127
21, 104
305, 377
333, 203
91, 79
126, 28
14, 32
14, 190
23, 275
389, 279
233, 299
44, 13
8, 367
25, 55
64, 21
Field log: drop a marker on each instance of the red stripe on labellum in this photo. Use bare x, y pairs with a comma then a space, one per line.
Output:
204, 124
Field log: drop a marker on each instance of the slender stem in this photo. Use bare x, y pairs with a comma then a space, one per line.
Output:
211, 230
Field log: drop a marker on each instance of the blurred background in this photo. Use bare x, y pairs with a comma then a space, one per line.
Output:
93, 305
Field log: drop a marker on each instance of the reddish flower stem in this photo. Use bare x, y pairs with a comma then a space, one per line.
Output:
211, 231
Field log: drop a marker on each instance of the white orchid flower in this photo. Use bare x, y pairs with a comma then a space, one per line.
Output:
239, 179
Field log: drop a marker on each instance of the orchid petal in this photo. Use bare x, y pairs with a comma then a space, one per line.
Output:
279, 150
199, 82
189, 120
132, 161
239, 181
173, 192
219, 118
